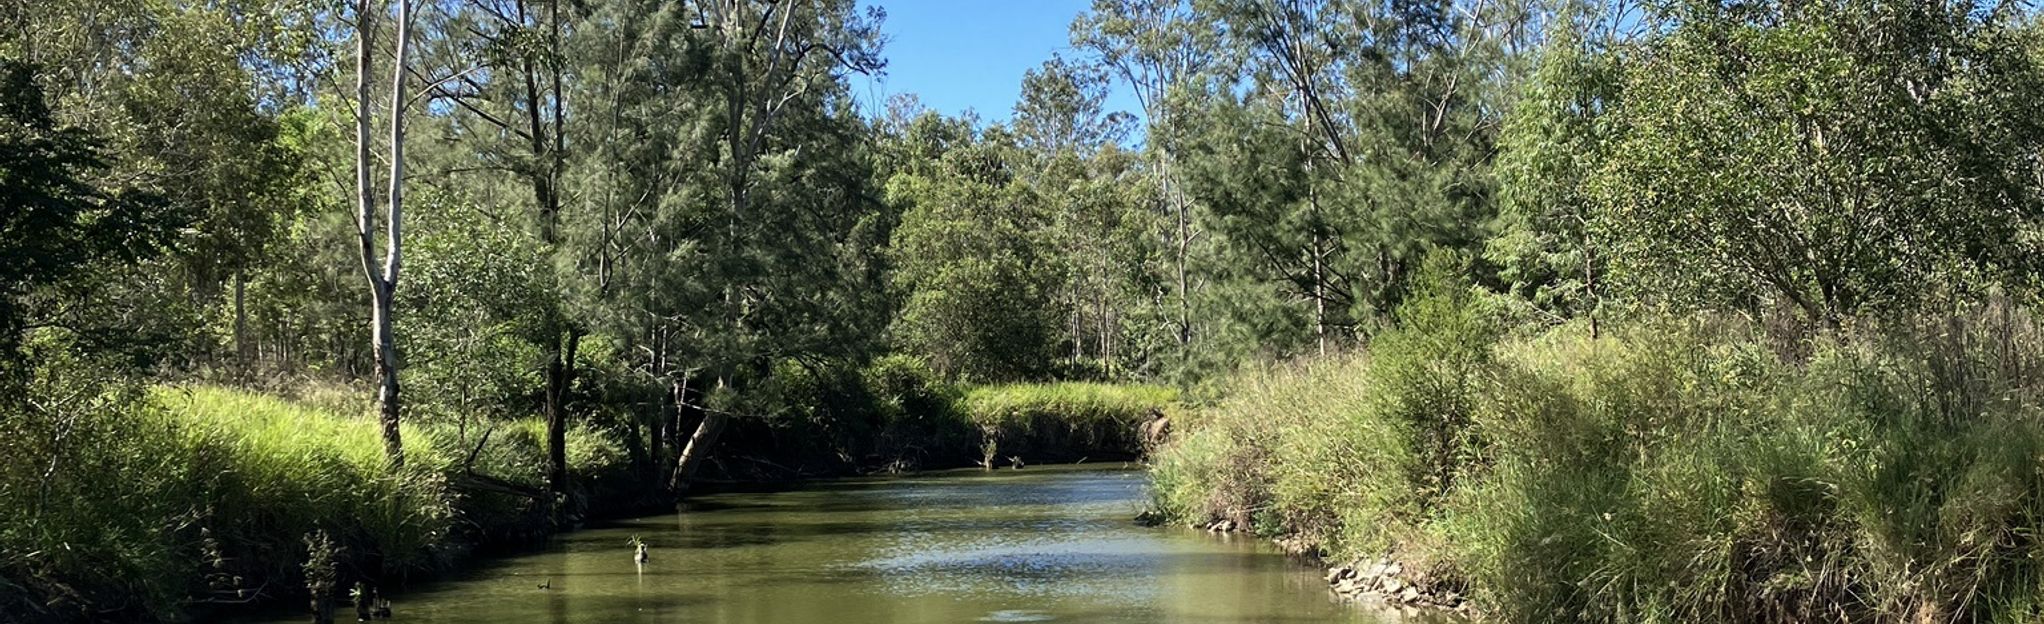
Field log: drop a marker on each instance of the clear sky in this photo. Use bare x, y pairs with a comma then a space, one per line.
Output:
970, 54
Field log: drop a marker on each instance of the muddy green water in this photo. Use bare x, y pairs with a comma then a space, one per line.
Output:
1036, 545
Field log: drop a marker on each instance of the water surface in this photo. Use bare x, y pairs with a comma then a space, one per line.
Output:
1034, 545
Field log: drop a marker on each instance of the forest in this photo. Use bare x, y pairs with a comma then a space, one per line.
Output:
1584, 310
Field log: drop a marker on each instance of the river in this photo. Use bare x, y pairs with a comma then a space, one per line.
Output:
1052, 544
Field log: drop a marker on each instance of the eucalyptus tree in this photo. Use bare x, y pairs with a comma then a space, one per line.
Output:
1390, 113
1068, 153
1153, 47
382, 279
500, 71
1548, 243
975, 258
63, 214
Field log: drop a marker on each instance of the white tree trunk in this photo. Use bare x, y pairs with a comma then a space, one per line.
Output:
383, 282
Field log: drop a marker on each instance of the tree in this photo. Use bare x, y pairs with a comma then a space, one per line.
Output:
1094, 195
717, 242
1833, 159
1154, 47
513, 119
970, 254
56, 218
383, 282
1383, 115
1546, 244
184, 96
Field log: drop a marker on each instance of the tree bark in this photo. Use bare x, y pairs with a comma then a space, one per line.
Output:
1319, 296
241, 344
1184, 259
548, 145
684, 413
383, 285
698, 448
1590, 284
560, 375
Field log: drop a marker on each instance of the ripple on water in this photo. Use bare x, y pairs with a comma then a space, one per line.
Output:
1056, 565
1017, 615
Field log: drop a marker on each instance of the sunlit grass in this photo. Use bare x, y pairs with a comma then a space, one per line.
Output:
1674, 471
195, 490
1075, 402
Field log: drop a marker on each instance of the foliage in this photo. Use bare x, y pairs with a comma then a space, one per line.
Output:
1837, 159
1671, 471
633, 220
60, 217
969, 252
1546, 244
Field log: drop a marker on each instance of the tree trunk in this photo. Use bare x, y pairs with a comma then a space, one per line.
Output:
386, 376
392, 254
1590, 284
689, 418
1184, 287
241, 343
383, 286
560, 371
698, 448
1319, 296
1078, 329
670, 439
560, 357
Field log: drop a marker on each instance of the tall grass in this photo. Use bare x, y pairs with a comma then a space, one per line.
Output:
1671, 471
160, 502
1063, 420
896, 414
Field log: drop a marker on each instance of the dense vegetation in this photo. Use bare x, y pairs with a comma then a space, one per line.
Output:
1672, 470
1673, 310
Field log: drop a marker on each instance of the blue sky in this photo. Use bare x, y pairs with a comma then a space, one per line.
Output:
970, 54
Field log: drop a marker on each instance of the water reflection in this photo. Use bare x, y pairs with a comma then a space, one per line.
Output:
1037, 545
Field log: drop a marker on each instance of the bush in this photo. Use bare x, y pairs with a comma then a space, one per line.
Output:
1350, 454
1670, 471
918, 411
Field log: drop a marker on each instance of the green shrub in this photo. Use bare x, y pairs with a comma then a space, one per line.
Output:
1352, 453
1240, 459
918, 410
1670, 471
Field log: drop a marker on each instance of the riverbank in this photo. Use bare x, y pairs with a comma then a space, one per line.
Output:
1668, 471
194, 499
185, 501
894, 415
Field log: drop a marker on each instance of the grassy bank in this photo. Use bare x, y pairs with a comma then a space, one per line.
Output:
133, 503
895, 414
1672, 471
1063, 421
170, 501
